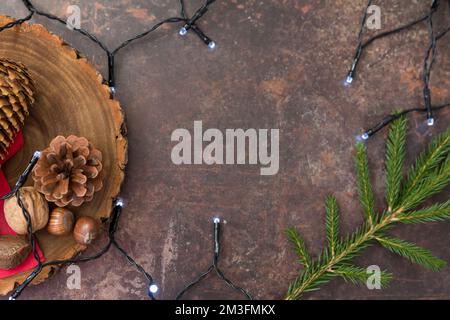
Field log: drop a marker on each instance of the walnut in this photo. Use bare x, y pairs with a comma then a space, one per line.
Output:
36, 206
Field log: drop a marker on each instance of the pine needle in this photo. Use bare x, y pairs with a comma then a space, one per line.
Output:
433, 183
428, 176
412, 252
426, 162
435, 213
332, 224
300, 248
395, 157
357, 275
364, 186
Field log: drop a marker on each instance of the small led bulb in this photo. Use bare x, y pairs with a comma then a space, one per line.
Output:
120, 203
153, 289
430, 122
183, 31
112, 90
212, 45
216, 220
37, 154
362, 137
11, 298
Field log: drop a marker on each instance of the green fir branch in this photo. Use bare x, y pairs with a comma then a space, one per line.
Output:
332, 223
428, 176
364, 186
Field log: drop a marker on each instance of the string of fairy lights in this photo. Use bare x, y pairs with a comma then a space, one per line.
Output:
214, 267
429, 59
191, 24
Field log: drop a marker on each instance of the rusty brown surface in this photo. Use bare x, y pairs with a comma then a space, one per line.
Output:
279, 64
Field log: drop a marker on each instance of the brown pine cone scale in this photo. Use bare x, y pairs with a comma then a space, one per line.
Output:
69, 171
16, 98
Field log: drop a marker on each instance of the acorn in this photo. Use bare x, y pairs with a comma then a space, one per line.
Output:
61, 222
86, 230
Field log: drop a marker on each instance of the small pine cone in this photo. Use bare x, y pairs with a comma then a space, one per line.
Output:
69, 171
16, 98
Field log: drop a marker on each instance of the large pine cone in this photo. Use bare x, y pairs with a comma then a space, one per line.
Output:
16, 98
69, 172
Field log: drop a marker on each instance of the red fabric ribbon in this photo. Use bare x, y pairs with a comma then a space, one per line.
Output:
30, 262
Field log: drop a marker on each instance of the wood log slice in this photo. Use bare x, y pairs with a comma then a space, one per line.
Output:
71, 98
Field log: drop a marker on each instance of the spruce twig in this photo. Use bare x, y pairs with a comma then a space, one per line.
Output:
412, 252
395, 157
364, 186
300, 248
332, 224
357, 275
428, 176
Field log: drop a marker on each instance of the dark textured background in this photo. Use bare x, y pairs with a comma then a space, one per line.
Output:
279, 64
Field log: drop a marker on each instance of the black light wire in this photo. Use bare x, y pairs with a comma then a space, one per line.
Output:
362, 45
118, 203
214, 267
388, 119
16, 192
430, 58
392, 117
17, 22
393, 31
359, 47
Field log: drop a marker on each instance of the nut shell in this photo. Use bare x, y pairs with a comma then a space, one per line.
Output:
13, 251
86, 230
61, 222
36, 206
